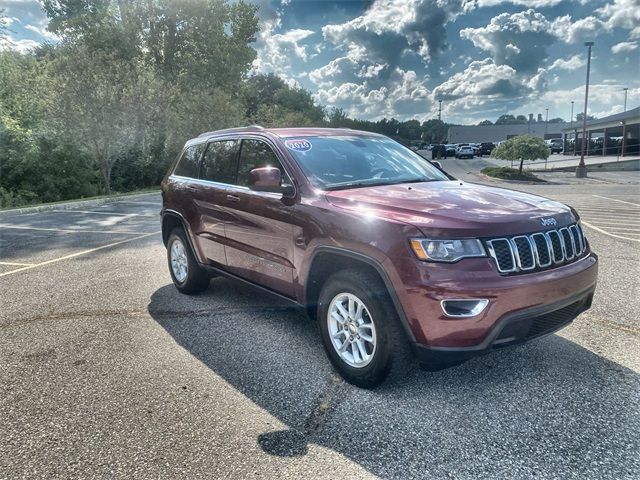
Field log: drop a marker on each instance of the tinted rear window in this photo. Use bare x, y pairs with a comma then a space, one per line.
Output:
189, 162
219, 162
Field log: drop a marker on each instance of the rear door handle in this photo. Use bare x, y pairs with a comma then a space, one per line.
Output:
233, 198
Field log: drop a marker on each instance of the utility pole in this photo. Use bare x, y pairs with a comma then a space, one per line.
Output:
581, 171
626, 90
546, 121
440, 110
571, 124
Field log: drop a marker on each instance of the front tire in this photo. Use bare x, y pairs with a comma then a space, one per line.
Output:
187, 275
360, 329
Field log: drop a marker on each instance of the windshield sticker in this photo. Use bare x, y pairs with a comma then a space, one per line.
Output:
298, 145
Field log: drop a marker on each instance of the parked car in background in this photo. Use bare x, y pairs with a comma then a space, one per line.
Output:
389, 254
451, 149
464, 152
485, 149
556, 145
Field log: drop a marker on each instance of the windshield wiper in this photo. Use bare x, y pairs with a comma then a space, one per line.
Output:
347, 186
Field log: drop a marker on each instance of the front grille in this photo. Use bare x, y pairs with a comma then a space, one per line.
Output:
538, 250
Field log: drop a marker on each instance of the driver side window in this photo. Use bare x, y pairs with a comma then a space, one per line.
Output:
256, 154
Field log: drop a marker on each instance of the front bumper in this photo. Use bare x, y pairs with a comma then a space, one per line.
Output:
424, 285
512, 329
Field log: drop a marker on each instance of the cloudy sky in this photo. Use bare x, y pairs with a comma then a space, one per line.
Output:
396, 58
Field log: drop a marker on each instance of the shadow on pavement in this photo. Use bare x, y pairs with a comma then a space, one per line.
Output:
551, 408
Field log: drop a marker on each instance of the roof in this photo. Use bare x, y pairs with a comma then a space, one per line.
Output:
291, 132
629, 117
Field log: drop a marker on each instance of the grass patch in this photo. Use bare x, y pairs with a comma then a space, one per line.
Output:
83, 199
508, 173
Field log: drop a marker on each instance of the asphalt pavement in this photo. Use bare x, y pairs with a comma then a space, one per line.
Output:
107, 371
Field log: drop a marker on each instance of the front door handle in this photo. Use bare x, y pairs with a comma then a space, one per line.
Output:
233, 198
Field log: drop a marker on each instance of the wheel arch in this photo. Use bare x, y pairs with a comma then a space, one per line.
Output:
172, 219
329, 260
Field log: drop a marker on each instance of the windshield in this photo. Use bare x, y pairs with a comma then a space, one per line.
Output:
338, 162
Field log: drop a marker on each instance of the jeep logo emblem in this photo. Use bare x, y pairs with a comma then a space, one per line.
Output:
548, 222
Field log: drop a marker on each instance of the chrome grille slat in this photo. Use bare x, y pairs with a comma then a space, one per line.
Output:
539, 250
567, 244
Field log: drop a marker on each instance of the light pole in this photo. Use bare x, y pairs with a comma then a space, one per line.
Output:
546, 122
581, 170
626, 90
571, 125
439, 110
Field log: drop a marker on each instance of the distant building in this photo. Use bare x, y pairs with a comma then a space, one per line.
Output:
617, 134
498, 133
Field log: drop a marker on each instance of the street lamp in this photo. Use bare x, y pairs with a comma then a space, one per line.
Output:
626, 90
571, 124
581, 170
546, 121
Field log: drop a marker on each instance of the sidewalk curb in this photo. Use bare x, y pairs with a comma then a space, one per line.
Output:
73, 204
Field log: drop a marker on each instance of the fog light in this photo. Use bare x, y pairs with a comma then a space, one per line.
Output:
463, 307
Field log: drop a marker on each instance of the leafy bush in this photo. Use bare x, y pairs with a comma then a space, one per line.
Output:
508, 173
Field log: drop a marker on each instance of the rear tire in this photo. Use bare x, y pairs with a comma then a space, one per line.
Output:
365, 313
187, 275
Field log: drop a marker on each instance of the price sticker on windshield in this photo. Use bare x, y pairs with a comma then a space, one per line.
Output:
298, 145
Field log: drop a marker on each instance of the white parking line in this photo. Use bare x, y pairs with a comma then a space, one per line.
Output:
616, 200
65, 230
99, 213
156, 204
15, 264
77, 254
586, 224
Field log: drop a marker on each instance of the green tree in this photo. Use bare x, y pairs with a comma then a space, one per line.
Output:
580, 117
485, 122
522, 147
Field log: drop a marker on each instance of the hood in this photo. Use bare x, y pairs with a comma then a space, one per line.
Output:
455, 209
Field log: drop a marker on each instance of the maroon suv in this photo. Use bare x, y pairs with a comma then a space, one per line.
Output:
391, 255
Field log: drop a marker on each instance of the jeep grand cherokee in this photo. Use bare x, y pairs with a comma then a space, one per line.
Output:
388, 253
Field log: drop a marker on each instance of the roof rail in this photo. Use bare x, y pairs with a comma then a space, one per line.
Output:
231, 130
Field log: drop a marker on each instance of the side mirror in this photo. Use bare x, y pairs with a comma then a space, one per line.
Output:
266, 179
438, 165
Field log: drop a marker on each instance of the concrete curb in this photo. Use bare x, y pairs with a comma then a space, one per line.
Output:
73, 204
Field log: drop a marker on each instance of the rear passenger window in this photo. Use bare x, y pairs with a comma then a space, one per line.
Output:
189, 162
255, 154
219, 163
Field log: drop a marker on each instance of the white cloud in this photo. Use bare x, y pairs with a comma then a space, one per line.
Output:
571, 63
527, 3
43, 32
623, 47
624, 14
22, 46
278, 51
403, 96
388, 27
515, 39
480, 81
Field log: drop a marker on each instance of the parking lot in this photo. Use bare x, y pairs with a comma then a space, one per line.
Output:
107, 371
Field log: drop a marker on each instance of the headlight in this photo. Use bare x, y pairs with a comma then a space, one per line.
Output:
447, 250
